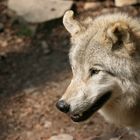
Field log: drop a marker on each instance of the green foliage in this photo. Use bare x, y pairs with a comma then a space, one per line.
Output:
24, 30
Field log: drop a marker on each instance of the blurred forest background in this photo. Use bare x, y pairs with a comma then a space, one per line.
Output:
35, 71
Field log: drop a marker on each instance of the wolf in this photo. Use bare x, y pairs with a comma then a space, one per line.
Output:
105, 62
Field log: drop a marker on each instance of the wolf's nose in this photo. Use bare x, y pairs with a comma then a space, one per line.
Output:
63, 106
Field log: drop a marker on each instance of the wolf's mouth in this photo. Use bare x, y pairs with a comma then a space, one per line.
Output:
90, 111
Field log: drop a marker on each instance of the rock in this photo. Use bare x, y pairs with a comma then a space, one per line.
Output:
91, 5
30, 90
114, 138
45, 47
47, 124
71, 129
61, 137
125, 2
36, 11
1, 27
3, 44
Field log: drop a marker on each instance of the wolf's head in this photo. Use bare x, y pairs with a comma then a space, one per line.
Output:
103, 59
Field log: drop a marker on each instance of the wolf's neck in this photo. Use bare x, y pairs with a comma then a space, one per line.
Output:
121, 114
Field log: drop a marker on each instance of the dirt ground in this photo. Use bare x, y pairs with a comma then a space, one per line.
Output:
34, 73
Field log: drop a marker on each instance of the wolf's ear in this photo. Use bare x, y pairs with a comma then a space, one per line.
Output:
119, 33
73, 26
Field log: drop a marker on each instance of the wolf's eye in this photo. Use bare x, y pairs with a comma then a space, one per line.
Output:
93, 71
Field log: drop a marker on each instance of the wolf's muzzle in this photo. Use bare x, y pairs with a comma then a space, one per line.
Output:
100, 101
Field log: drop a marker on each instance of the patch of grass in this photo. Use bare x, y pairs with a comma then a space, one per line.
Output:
24, 30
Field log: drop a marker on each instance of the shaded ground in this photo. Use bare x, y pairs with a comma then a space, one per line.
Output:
32, 80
